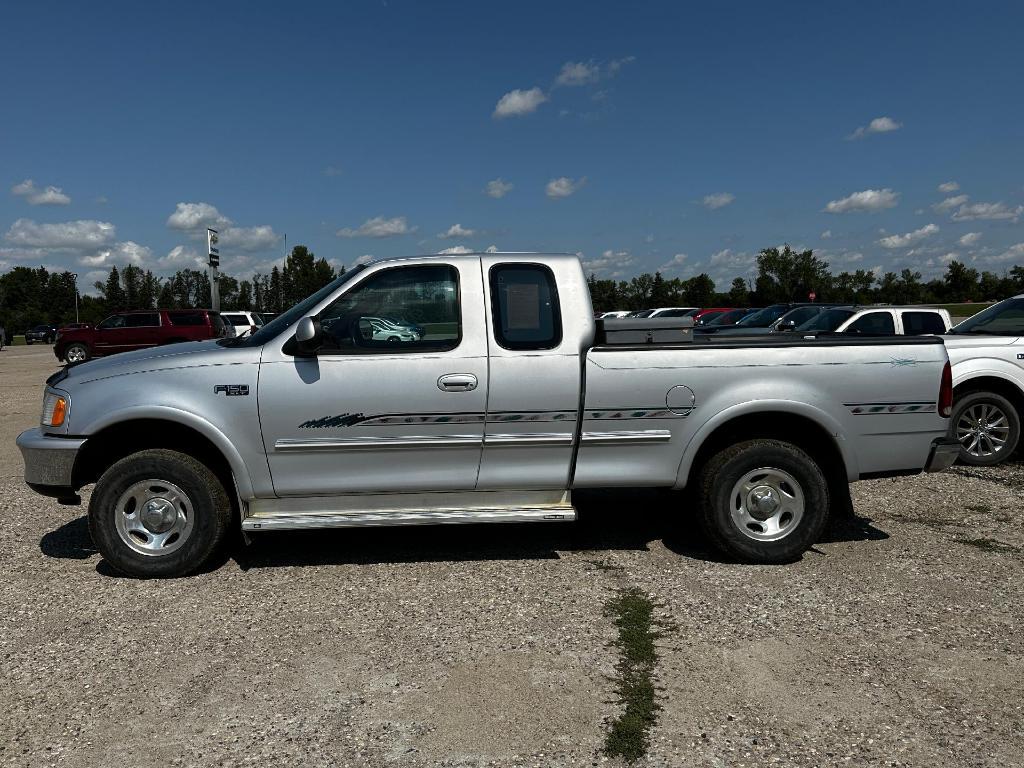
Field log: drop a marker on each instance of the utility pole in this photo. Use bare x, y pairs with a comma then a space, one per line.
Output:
75, 276
214, 255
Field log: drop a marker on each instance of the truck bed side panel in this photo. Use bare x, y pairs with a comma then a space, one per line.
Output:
648, 410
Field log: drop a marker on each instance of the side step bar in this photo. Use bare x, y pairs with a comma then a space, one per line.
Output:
354, 519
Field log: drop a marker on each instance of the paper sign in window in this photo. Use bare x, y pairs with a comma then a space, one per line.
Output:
523, 307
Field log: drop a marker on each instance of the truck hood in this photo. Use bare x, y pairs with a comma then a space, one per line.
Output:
187, 354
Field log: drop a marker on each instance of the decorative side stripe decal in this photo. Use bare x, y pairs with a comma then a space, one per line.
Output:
386, 419
635, 413
875, 409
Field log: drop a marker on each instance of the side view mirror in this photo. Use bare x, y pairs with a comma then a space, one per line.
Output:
788, 325
309, 337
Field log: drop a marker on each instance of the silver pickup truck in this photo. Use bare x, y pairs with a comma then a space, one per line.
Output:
500, 397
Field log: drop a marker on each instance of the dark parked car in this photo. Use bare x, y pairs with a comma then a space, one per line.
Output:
41, 333
127, 331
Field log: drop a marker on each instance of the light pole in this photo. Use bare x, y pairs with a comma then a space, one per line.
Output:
75, 277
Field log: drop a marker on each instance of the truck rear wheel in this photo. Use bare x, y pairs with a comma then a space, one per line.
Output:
158, 513
763, 501
987, 426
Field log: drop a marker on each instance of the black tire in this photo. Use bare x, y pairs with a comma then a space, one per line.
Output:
85, 351
210, 506
28, 342
722, 474
981, 403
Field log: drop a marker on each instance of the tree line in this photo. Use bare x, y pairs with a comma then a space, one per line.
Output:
31, 296
784, 274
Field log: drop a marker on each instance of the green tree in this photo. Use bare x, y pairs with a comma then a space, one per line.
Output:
961, 282
739, 296
699, 291
788, 275
113, 294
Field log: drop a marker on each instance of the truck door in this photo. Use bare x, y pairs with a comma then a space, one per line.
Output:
536, 372
383, 412
111, 335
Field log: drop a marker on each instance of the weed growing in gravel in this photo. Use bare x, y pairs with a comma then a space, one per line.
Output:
627, 737
989, 545
982, 509
603, 565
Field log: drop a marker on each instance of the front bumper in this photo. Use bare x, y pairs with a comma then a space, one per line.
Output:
50, 463
945, 451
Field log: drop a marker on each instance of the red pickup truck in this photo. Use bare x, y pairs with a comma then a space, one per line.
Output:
126, 331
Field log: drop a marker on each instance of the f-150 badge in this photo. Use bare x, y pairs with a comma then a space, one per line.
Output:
231, 390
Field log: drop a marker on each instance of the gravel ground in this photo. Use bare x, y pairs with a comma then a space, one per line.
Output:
897, 641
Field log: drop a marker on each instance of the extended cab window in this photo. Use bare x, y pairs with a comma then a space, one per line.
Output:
187, 318
918, 323
524, 307
873, 324
405, 309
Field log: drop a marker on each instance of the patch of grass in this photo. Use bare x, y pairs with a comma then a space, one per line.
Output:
603, 565
627, 737
988, 545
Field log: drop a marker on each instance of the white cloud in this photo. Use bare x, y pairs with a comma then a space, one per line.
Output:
578, 73
563, 186
498, 188
457, 230
518, 102
379, 226
1014, 253
949, 203
616, 64
826, 235
258, 238
611, 263
989, 211
870, 200
455, 249
191, 217
971, 238
718, 200
127, 252
731, 259
366, 258
180, 257
491, 249
908, 239
948, 186
36, 196
677, 261
878, 125
80, 234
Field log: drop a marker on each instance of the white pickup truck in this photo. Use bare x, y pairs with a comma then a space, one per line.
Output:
507, 398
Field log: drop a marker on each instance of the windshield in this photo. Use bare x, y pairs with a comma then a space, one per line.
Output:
287, 318
828, 320
1003, 319
729, 318
765, 317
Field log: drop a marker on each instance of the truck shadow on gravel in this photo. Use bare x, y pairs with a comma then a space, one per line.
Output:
609, 520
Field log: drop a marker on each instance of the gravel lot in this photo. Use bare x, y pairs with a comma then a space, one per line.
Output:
898, 641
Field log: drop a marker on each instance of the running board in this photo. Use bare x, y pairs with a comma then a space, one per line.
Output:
406, 509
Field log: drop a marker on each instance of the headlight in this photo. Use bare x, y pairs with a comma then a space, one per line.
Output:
55, 410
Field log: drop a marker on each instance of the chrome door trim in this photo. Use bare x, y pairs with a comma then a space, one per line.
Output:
526, 439
627, 436
378, 443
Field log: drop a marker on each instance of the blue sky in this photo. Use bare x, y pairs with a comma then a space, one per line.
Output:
677, 136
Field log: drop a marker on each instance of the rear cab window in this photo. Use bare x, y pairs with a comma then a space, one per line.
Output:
524, 307
920, 323
187, 318
143, 320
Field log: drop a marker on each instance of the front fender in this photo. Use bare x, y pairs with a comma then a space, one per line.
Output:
239, 470
754, 407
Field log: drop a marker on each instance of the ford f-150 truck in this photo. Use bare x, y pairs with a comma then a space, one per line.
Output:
512, 397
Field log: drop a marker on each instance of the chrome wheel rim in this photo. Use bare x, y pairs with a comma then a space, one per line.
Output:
983, 430
75, 355
154, 517
766, 504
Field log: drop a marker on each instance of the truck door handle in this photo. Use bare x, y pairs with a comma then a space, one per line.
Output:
457, 382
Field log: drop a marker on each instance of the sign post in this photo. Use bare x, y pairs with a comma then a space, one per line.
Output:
213, 252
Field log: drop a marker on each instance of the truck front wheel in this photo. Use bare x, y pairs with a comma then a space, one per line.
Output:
76, 353
763, 501
158, 513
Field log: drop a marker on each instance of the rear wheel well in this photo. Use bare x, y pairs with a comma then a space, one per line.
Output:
1007, 389
110, 445
800, 431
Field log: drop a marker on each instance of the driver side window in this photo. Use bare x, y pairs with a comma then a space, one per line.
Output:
114, 321
405, 309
